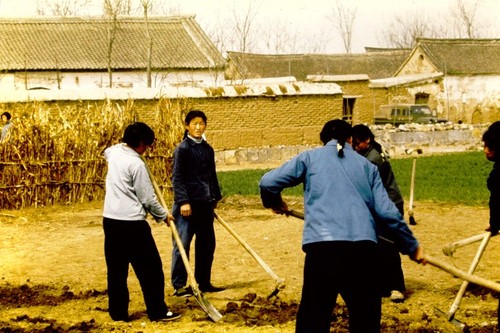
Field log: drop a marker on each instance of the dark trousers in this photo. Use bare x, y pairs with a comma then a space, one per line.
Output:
201, 224
392, 276
131, 242
345, 268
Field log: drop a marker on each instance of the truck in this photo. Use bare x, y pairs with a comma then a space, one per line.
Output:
398, 114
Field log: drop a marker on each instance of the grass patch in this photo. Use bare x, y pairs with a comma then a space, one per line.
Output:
458, 178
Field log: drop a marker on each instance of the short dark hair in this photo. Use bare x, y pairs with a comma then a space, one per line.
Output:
362, 132
491, 138
6, 114
137, 133
193, 114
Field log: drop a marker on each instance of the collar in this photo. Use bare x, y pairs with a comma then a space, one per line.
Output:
195, 140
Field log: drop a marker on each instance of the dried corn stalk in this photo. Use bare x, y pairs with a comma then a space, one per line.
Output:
54, 151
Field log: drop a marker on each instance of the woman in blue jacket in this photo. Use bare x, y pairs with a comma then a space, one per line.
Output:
343, 192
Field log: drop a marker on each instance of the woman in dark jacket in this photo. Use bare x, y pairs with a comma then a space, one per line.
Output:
196, 193
491, 140
392, 282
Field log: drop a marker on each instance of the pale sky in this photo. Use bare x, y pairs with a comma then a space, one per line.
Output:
308, 18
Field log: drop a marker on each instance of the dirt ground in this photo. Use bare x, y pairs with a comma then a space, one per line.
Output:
53, 274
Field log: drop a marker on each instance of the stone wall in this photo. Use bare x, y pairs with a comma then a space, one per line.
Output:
402, 141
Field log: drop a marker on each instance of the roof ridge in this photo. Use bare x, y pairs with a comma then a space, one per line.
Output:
457, 40
80, 19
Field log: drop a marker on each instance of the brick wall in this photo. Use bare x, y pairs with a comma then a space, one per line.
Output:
246, 122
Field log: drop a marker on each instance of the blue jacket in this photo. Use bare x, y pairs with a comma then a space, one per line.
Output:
341, 195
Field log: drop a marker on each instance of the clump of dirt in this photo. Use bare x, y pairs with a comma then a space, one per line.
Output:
42, 325
259, 311
26, 295
42, 295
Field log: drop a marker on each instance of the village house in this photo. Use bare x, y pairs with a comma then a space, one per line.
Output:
352, 72
90, 52
458, 78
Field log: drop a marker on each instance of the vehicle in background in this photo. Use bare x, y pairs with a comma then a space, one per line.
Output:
398, 114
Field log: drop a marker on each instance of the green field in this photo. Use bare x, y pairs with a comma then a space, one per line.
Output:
450, 178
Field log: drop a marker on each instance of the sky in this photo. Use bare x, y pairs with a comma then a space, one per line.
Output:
308, 19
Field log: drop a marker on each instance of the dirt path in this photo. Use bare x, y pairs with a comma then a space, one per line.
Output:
53, 274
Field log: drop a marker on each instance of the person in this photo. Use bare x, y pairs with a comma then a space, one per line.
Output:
392, 281
491, 141
343, 192
196, 193
129, 197
6, 117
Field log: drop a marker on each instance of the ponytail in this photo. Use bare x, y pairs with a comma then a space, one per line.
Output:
339, 130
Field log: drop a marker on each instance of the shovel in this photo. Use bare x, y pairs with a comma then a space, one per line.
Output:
280, 282
209, 309
412, 188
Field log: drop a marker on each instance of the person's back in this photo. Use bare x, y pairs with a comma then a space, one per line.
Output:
326, 215
342, 193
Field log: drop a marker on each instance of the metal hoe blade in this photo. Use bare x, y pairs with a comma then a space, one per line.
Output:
280, 283
209, 309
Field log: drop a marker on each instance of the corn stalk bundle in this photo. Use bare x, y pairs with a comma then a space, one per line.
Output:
54, 151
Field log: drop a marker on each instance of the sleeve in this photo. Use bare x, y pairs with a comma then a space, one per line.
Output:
494, 203
178, 176
275, 181
388, 214
215, 180
146, 194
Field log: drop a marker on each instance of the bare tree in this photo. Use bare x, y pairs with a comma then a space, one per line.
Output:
319, 43
342, 18
278, 37
146, 5
111, 10
61, 7
218, 33
466, 18
405, 29
244, 26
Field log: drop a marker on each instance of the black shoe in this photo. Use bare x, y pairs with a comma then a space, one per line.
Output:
124, 317
183, 292
212, 289
169, 316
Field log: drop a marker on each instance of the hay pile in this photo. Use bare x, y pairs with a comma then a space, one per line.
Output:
53, 154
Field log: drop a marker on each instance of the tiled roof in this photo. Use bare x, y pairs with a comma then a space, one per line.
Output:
374, 64
83, 44
462, 56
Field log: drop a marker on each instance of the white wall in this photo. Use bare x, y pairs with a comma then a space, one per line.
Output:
121, 79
